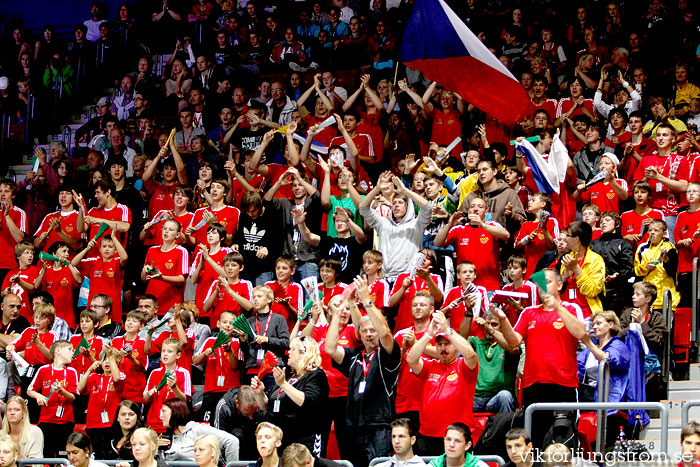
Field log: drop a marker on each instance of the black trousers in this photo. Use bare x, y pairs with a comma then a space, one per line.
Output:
542, 419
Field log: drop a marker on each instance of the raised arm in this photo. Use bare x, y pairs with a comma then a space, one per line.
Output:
386, 338
179, 164
257, 156
332, 349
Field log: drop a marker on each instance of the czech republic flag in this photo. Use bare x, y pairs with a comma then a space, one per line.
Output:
441, 46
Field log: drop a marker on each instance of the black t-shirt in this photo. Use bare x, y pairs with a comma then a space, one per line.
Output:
18, 325
371, 397
346, 250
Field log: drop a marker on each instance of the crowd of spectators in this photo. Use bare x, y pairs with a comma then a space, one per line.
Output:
267, 182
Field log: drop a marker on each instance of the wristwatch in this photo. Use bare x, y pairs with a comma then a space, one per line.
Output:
369, 303
468, 314
449, 332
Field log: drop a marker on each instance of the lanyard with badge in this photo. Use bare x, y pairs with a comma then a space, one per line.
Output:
365, 370
220, 380
55, 389
258, 325
276, 403
105, 415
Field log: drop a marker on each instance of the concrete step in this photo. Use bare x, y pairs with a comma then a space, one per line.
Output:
695, 371
684, 385
654, 446
674, 407
655, 433
656, 423
684, 394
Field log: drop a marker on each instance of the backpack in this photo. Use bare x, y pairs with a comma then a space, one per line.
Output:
564, 430
491, 440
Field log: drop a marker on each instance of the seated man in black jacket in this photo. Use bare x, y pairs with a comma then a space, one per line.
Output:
238, 413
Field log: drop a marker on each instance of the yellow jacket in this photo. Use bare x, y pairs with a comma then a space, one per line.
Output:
591, 282
658, 276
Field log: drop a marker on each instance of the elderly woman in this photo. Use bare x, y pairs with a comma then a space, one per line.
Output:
16, 425
295, 404
176, 418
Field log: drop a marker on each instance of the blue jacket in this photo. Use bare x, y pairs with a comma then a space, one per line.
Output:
619, 362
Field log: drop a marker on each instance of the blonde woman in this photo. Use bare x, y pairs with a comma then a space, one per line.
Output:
294, 403
206, 451
9, 452
16, 425
144, 447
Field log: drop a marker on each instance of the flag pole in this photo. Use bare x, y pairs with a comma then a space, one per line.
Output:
396, 72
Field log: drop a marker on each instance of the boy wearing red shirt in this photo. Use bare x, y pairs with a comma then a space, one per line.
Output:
178, 383
638, 219
54, 388
179, 329
531, 239
104, 392
105, 272
61, 226
218, 212
590, 214
608, 193
134, 360
206, 267
450, 381
86, 356
117, 216
372, 261
513, 308
405, 288
160, 195
13, 226
152, 233
166, 267
329, 270
466, 274
222, 371
21, 280
60, 280
288, 294
478, 241
229, 292
687, 237
37, 340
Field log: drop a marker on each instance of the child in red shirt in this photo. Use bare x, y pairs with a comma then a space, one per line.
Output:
105, 272
533, 240
590, 214
372, 262
466, 274
134, 361
206, 267
179, 323
516, 273
288, 294
54, 388
329, 270
89, 321
178, 383
104, 392
21, 280
222, 371
229, 292
60, 279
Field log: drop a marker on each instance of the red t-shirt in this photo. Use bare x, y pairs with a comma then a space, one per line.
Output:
628, 165
135, 374
550, 355
404, 315
456, 315
161, 196
370, 126
105, 278
185, 360
534, 249
326, 135
477, 245
174, 262
118, 213
447, 127
7, 241
632, 224
549, 105
237, 190
28, 275
69, 226
329, 293
686, 226
448, 396
81, 362
58, 409
182, 381
32, 354
224, 302
603, 196
409, 388
105, 396
207, 276
363, 143
61, 285
155, 234
296, 294
566, 103
693, 174
532, 300
274, 172
673, 166
227, 216
347, 339
220, 375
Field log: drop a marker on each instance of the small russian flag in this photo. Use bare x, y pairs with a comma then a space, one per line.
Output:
440, 45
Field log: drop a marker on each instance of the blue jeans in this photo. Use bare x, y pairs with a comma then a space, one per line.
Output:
264, 277
304, 270
500, 403
671, 223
